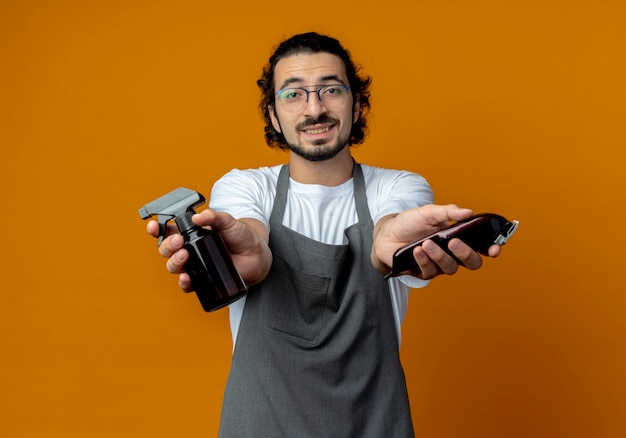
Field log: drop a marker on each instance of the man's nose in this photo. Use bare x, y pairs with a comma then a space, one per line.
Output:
314, 106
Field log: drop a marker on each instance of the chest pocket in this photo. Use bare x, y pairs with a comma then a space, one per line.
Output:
293, 301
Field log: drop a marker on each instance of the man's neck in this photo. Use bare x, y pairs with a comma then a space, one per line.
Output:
329, 173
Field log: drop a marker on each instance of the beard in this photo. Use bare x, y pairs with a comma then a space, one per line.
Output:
322, 150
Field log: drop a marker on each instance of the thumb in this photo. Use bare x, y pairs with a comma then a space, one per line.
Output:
437, 214
219, 220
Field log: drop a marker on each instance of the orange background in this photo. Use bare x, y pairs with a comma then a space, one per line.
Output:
512, 107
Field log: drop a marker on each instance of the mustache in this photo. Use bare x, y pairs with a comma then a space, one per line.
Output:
316, 121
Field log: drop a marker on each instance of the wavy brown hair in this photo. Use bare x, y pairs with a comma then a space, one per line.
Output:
313, 43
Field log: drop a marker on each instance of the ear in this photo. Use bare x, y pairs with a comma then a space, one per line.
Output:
356, 111
274, 118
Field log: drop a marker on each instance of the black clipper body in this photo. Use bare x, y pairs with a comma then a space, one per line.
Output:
479, 232
213, 275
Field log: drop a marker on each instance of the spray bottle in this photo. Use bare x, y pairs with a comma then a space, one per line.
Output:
213, 275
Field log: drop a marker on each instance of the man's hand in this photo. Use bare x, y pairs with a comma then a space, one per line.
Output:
394, 231
246, 241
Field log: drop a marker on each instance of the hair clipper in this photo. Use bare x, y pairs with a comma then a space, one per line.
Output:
479, 232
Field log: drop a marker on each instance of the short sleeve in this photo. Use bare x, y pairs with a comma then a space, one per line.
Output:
246, 193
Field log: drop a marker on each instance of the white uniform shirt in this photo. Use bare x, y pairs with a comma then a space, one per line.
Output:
322, 213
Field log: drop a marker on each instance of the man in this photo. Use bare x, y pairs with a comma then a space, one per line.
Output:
316, 340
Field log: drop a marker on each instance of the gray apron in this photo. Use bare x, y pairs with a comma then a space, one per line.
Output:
317, 350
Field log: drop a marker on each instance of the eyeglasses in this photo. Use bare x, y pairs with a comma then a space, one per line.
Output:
332, 96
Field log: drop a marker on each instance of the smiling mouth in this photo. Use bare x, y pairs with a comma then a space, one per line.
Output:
317, 130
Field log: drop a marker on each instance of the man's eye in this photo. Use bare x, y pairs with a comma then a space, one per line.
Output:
291, 94
333, 90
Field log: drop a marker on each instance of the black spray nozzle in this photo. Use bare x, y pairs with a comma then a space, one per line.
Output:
177, 204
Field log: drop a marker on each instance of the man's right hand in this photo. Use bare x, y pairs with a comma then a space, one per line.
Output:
246, 240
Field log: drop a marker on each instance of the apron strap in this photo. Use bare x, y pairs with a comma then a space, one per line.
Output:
280, 200
360, 195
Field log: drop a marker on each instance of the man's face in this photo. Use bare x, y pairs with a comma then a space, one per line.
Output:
314, 131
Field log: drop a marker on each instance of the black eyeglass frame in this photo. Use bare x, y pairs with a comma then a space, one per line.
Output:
316, 91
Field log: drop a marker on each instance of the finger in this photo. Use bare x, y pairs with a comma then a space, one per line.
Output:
215, 219
433, 261
456, 213
185, 282
494, 250
204, 218
427, 268
444, 262
175, 264
440, 214
171, 244
470, 259
153, 228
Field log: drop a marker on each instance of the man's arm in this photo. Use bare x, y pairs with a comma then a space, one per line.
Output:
393, 231
246, 240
